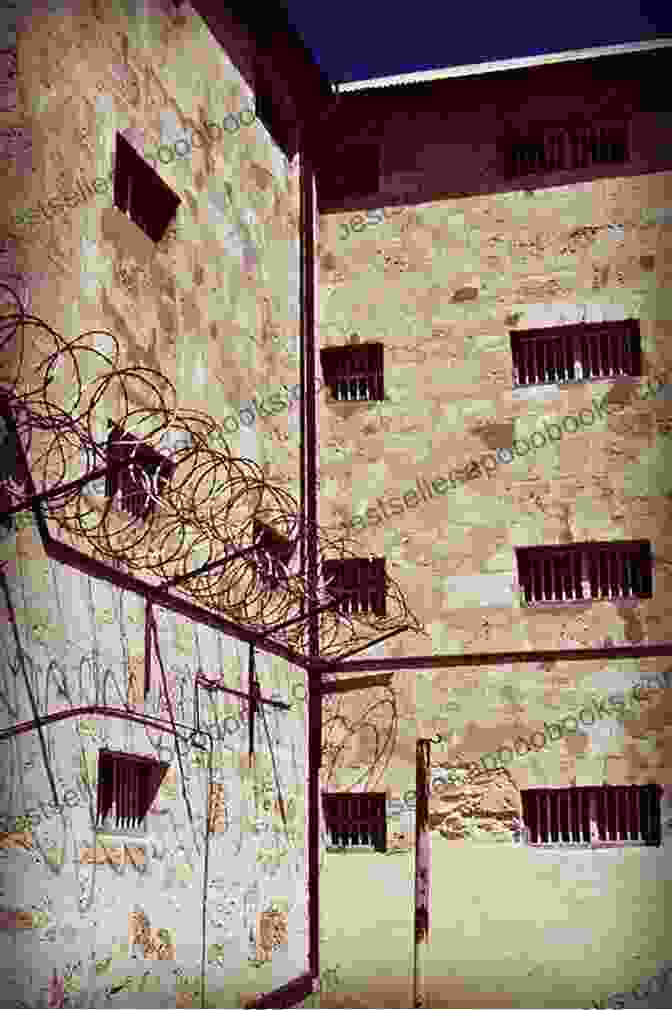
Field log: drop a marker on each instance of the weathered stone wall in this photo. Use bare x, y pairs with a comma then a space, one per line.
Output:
442, 282
72, 889
215, 305
89, 916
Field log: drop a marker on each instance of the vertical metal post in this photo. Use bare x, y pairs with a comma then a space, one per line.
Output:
308, 218
253, 693
149, 617
422, 869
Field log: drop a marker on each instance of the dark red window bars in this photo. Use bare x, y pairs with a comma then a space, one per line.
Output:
274, 554
356, 819
618, 814
134, 458
129, 782
594, 571
574, 352
552, 148
354, 372
358, 583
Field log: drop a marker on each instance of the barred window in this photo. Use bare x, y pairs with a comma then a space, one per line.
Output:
356, 819
358, 583
141, 193
127, 785
137, 469
553, 148
354, 372
274, 552
578, 351
593, 815
586, 571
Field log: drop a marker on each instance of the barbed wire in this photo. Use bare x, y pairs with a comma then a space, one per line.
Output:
334, 717
164, 494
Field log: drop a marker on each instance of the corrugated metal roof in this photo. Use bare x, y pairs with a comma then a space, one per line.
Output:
499, 65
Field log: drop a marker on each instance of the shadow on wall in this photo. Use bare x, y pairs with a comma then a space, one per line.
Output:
462, 772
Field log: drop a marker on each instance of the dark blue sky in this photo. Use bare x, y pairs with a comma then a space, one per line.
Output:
357, 39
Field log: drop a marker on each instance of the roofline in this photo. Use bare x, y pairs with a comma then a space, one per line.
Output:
475, 69
264, 25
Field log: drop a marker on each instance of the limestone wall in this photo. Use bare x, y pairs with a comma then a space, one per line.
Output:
213, 307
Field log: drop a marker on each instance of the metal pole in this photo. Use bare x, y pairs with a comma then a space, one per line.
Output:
55, 492
422, 869
440, 662
310, 556
355, 684
376, 641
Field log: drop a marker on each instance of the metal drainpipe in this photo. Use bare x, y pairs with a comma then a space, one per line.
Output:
309, 517
309, 554
422, 869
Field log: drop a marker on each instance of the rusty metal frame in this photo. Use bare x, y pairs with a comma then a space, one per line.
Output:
494, 658
75, 558
106, 710
354, 684
210, 685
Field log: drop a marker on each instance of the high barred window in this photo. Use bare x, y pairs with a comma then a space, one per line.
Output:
552, 148
586, 571
593, 815
274, 552
127, 785
356, 819
141, 193
139, 473
570, 353
358, 583
354, 372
